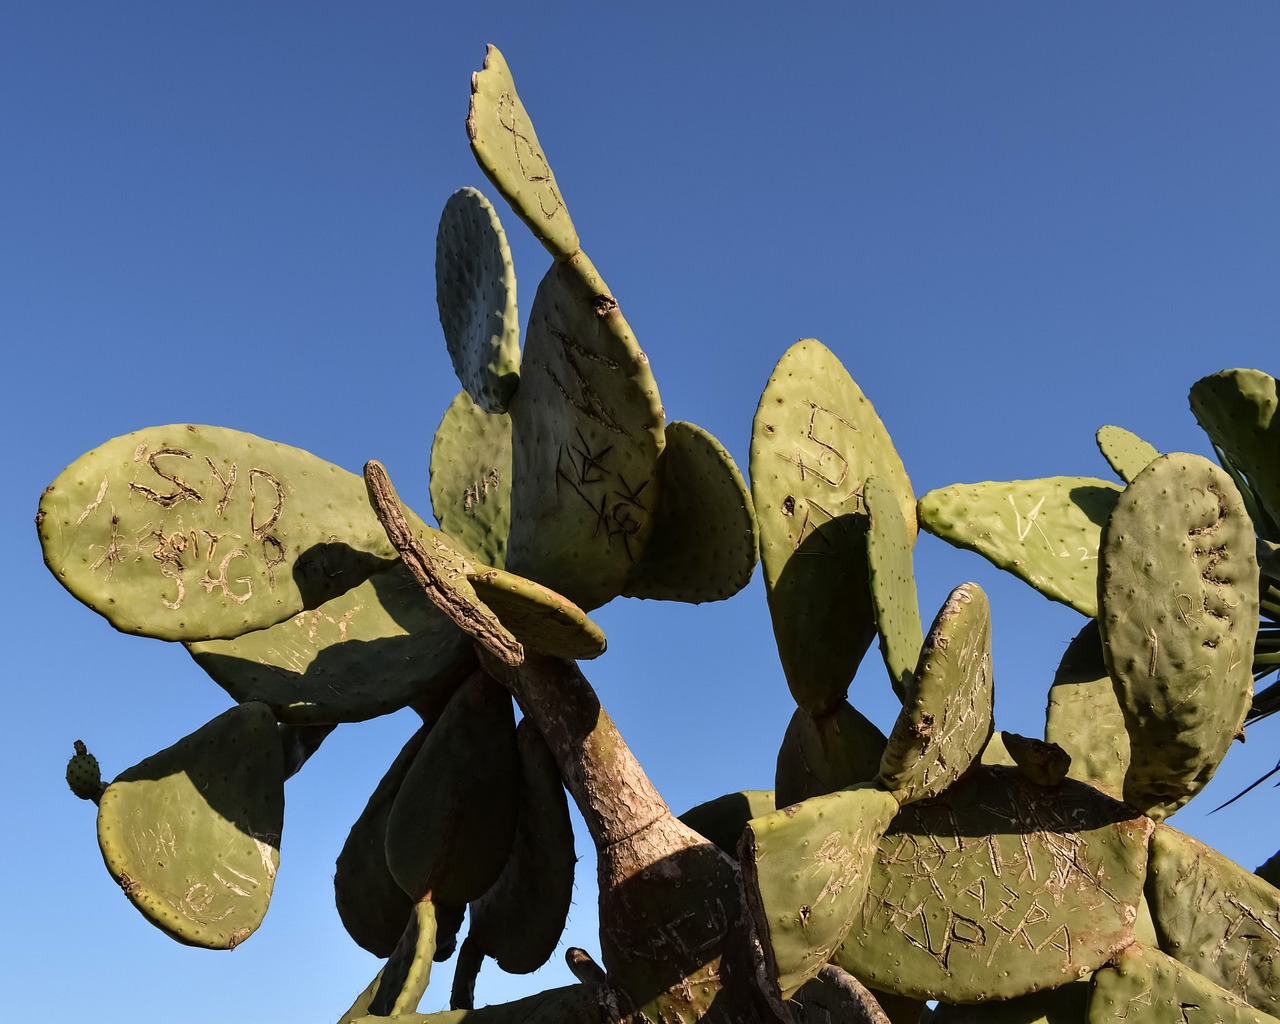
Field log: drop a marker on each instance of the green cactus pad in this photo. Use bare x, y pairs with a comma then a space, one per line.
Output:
372, 651
820, 755
84, 775
453, 820
476, 296
404, 978
893, 583
1125, 451
1045, 764
192, 834
1269, 870
1067, 1004
1083, 716
945, 720
1215, 917
1178, 597
814, 441
703, 546
572, 1004
471, 479
190, 532
1144, 986
520, 918
1044, 531
587, 430
373, 908
805, 870
539, 618
507, 150
722, 820
1238, 410
997, 888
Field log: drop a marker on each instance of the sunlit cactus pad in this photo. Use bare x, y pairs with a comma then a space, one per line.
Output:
537, 616
1125, 451
1240, 411
471, 478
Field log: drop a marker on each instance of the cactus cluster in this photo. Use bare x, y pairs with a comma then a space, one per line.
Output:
997, 877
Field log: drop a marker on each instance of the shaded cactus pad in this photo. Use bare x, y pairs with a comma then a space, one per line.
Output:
1240, 411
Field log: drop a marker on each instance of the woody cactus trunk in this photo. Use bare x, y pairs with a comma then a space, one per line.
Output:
994, 876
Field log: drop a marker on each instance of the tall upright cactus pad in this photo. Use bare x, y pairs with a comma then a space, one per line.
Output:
476, 296
187, 532
1125, 451
703, 546
999, 887
814, 442
1145, 986
824, 753
1240, 410
1044, 531
893, 583
507, 149
945, 720
192, 834
805, 870
1178, 599
1215, 917
587, 430
471, 478
373, 650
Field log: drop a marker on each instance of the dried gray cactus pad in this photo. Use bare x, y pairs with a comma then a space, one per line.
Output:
893, 583
192, 834
1238, 410
1125, 451
587, 429
703, 546
814, 441
377, 648
1044, 531
820, 755
187, 532
1145, 986
1215, 917
1083, 715
471, 479
945, 721
1178, 599
999, 887
476, 297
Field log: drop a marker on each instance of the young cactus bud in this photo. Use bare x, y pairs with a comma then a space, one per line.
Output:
83, 774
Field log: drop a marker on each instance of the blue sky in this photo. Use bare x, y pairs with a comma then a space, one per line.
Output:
1013, 222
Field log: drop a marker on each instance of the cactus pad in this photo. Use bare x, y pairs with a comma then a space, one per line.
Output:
471, 479
192, 834
722, 820
1125, 451
476, 296
825, 753
1045, 531
703, 546
1178, 594
539, 618
193, 533
572, 1004
403, 980
893, 584
84, 776
945, 720
1066, 1004
1238, 410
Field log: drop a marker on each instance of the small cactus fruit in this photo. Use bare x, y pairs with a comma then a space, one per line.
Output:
998, 887
1240, 411
476, 296
814, 441
893, 583
1045, 531
1215, 917
189, 532
945, 721
83, 774
824, 753
1145, 986
722, 820
1178, 597
805, 871
1125, 451
471, 479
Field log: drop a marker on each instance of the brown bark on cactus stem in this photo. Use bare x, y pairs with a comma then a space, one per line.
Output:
673, 936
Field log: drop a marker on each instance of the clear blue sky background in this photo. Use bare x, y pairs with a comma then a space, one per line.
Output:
1014, 222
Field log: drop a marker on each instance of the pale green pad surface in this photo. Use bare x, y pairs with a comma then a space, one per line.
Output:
476, 297
805, 870
1083, 715
1067, 1004
1178, 590
1215, 917
722, 820
471, 478
192, 834
573, 1004
893, 584
945, 721
820, 755
539, 618
997, 888
370, 652
1125, 451
703, 546
407, 973
1043, 531
1147, 987
507, 150
186, 532
587, 429
814, 441
1238, 409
